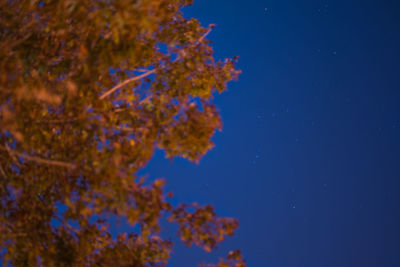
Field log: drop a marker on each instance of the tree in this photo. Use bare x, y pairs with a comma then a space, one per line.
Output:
88, 90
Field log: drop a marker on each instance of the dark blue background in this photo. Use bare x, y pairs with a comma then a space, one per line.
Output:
309, 157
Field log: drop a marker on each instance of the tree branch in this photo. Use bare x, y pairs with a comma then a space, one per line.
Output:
38, 159
58, 121
112, 90
9, 151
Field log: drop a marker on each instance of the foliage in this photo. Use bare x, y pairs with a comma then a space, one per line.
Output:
88, 90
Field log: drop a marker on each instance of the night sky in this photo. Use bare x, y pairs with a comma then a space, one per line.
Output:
309, 156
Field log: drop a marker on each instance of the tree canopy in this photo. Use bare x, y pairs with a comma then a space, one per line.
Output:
89, 89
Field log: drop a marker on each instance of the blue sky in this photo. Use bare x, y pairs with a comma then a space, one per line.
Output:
309, 156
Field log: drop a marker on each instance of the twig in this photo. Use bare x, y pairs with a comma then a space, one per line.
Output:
25, 37
205, 34
112, 90
5, 181
124, 129
58, 121
9, 151
65, 223
145, 99
38, 159
3, 173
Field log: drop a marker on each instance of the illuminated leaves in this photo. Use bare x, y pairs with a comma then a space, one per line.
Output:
234, 259
73, 134
189, 136
201, 227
